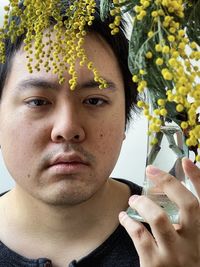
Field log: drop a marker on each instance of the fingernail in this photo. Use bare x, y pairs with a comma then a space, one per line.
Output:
133, 198
122, 214
189, 161
152, 170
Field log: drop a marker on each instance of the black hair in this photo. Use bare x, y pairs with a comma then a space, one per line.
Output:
118, 43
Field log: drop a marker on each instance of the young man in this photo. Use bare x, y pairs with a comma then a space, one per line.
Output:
60, 146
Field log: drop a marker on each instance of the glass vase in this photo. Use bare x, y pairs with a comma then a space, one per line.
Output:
167, 155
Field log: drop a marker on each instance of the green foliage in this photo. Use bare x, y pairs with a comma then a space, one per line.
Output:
140, 44
138, 47
192, 21
105, 6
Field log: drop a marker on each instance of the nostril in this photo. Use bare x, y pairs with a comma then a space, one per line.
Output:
76, 137
59, 137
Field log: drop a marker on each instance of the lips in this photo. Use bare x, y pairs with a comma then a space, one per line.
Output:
68, 159
68, 164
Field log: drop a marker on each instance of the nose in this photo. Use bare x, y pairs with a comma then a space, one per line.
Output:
67, 125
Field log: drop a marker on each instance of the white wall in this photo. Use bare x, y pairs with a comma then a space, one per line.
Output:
131, 161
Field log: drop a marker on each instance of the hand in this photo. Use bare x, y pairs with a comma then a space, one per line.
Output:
170, 245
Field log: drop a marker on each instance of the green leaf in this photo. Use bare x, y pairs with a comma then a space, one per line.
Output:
104, 8
192, 21
137, 48
140, 43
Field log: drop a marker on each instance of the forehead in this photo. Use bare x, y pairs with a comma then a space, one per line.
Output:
97, 50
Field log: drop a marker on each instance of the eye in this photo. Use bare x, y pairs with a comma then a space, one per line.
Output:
37, 102
95, 101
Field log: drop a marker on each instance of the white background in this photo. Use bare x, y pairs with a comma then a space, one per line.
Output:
132, 158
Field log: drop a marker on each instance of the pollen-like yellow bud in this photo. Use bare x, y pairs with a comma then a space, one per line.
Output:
161, 102
184, 125
159, 61
158, 48
149, 55
150, 34
135, 78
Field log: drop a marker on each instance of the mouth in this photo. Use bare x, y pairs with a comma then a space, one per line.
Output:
68, 164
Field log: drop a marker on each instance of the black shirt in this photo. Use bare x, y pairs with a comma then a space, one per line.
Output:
116, 251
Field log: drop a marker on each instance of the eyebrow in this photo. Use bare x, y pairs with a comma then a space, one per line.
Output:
45, 84
37, 83
93, 84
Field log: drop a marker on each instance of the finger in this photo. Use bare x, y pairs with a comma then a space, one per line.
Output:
193, 172
178, 193
141, 237
163, 231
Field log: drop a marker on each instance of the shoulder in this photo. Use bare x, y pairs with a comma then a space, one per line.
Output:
134, 188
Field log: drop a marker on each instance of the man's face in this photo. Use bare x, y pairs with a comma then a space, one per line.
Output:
60, 146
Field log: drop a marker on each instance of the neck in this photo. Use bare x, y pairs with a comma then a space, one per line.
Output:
33, 216
56, 230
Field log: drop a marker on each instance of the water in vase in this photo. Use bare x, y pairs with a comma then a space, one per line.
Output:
166, 155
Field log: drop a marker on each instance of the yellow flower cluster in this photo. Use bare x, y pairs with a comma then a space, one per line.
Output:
176, 59
167, 48
116, 13
62, 52
171, 6
141, 9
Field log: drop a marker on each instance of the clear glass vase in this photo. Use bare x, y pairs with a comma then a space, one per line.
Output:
167, 155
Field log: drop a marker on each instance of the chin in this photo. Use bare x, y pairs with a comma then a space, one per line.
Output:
67, 196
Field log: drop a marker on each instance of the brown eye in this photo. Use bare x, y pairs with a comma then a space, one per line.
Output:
95, 101
37, 102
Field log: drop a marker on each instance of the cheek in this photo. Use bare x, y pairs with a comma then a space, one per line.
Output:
109, 138
107, 149
19, 144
